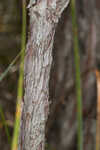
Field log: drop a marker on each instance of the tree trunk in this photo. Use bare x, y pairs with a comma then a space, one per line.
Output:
44, 15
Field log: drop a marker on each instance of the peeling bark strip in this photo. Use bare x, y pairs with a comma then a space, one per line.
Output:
44, 15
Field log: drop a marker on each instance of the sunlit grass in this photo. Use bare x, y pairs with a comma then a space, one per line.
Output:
20, 81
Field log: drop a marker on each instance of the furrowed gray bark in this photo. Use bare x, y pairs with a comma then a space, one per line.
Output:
44, 15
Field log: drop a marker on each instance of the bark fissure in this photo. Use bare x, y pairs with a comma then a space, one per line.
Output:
43, 19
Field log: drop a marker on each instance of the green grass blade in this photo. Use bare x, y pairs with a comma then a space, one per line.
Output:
20, 81
78, 78
4, 74
5, 125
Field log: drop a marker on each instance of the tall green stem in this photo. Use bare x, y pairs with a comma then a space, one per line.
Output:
20, 81
78, 78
